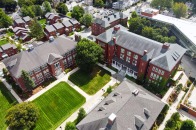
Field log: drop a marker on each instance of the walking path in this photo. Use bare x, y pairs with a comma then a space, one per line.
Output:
9, 87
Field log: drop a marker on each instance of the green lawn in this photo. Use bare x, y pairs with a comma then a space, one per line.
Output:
10, 33
91, 83
6, 101
3, 41
56, 105
42, 22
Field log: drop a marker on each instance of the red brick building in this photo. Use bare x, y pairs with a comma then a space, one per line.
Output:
22, 22
140, 57
42, 62
52, 18
50, 31
68, 27
149, 12
60, 29
100, 25
7, 50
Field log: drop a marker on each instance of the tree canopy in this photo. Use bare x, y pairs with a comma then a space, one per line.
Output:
81, 115
99, 3
22, 116
86, 19
36, 30
187, 125
10, 5
28, 82
180, 10
88, 54
5, 20
27, 11
62, 8
47, 7
77, 12
70, 126
162, 4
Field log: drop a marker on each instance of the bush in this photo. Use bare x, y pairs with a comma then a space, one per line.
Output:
67, 70
109, 90
162, 115
70, 126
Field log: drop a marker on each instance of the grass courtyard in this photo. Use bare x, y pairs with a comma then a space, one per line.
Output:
93, 82
3, 41
6, 101
42, 22
56, 105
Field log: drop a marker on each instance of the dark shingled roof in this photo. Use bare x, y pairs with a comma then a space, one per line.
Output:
50, 28
58, 25
128, 108
7, 46
29, 60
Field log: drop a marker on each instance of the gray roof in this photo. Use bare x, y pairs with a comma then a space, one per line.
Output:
109, 34
48, 14
163, 58
29, 60
1, 50
73, 21
128, 108
7, 46
27, 19
19, 21
50, 28
67, 23
53, 57
58, 25
105, 22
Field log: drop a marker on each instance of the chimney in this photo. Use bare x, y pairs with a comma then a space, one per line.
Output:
114, 40
116, 28
111, 119
166, 46
145, 51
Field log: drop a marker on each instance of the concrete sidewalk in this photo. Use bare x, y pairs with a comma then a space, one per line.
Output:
9, 87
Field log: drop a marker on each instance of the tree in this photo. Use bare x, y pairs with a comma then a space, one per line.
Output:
109, 89
77, 12
70, 126
36, 30
5, 20
134, 14
81, 115
10, 5
161, 4
86, 19
99, 3
27, 11
37, 10
187, 125
2, 3
47, 7
147, 32
28, 82
88, 54
180, 10
62, 8
22, 3
22, 116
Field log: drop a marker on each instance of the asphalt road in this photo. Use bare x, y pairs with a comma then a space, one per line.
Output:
189, 66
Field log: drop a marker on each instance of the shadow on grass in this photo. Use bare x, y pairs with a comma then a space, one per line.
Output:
6, 93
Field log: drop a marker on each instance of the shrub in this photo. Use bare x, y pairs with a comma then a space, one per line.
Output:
109, 90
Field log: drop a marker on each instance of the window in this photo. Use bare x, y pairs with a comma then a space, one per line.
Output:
151, 75
122, 50
162, 72
37, 70
122, 56
160, 78
57, 65
156, 70
135, 57
39, 76
30, 73
69, 59
128, 59
129, 53
159, 71
153, 68
134, 62
33, 78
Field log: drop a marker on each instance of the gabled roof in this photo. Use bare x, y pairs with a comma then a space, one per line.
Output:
27, 19
67, 23
18, 21
128, 108
50, 28
29, 60
53, 57
7, 46
58, 25
73, 21
48, 14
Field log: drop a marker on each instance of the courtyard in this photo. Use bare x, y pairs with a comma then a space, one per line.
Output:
93, 82
56, 105
192, 98
7, 101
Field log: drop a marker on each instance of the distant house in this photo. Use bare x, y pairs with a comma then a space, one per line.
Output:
49, 59
75, 23
22, 33
60, 29
7, 50
19, 23
68, 27
50, 31
128, 107
100, 25
27, 20
52, 18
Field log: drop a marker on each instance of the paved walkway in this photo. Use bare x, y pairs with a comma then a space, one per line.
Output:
9, 87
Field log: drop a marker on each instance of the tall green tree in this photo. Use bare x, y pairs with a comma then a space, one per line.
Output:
162, 4
47, 7
28, 82
81, 115
180, 10
62, 8
10, 5
27, 11
22, 3
37, 10
147, 32
99, 3
70, 126
5, 20
22, 116
77, 12
134, 14
36, 30
2, 3
86, 19
88, 54
187, 125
